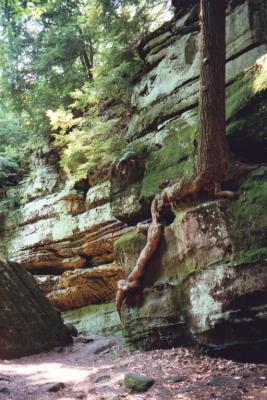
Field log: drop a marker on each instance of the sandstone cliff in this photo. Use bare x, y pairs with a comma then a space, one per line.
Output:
208, 275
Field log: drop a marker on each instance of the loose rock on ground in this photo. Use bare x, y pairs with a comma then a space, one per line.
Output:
79, 372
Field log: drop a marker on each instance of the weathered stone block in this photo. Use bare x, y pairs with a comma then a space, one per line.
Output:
29, 324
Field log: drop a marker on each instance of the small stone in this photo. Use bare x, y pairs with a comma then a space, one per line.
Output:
59, 349
175, 378
71, 329
110, 397
5, 378
137, 383
124, 364
4, 389
102, 379
104, 346
80, 395
217, 381
54, 387
84, 339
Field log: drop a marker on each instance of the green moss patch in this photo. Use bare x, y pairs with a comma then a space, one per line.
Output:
239, 93
130, 241
250, 217
137, 383
246, 106
175, 159
247, 85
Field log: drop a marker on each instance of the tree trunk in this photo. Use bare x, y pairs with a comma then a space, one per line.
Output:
87, 64
214, 158
29, 324
86, 61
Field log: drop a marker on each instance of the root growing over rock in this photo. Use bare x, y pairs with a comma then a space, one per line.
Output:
173, 194
154, 231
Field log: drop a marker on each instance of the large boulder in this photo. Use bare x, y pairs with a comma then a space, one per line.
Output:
29, 324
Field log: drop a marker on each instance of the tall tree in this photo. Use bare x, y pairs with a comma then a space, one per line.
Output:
214, 160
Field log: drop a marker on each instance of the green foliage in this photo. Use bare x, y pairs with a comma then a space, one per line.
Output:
11, 135
113, 76
88, 144
71, 57
8, 168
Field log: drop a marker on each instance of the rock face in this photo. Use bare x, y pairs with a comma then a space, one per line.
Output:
227, 306
71, 234
100, 319
207, 280
64, 237
211, 249
54, 235
29, 324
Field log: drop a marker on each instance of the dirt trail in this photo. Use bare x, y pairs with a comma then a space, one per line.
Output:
92, 369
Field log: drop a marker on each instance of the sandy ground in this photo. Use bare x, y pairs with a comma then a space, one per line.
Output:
93, 367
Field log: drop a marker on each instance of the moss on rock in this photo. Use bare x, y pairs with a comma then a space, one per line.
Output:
250, 218
246, 112
239, 92
130, 241
137, 383
127, 249
175, 159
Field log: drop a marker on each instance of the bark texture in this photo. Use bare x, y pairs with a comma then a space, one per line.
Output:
29, 324
214, 159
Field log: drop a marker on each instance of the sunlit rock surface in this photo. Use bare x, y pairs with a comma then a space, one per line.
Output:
64, 233
74, 289
227, 306
101, 319
56, 233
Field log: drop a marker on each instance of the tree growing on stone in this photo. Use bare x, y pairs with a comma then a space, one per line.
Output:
215, 165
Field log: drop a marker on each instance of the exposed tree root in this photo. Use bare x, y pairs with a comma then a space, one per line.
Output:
223, 193
133, 281
182, 190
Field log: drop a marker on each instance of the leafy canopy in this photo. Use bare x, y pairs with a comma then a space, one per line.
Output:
68, 66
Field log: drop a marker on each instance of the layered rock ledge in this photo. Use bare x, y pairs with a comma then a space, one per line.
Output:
75, 289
